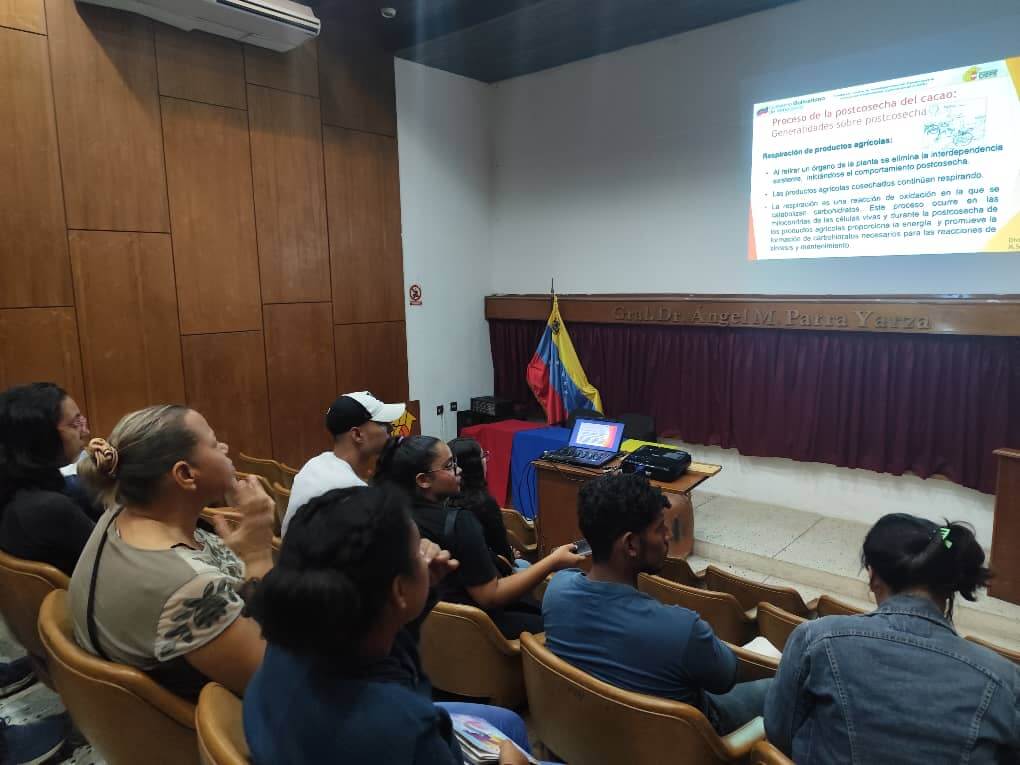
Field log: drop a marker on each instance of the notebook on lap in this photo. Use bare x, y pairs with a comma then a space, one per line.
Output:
593, 443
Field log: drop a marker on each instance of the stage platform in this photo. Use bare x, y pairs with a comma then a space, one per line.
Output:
814, 554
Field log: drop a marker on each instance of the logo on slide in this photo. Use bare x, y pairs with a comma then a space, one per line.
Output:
977, 73
763, 110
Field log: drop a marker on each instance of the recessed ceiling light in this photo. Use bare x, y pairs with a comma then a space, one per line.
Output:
388, 12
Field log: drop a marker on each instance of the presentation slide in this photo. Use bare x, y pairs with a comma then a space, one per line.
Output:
917, 165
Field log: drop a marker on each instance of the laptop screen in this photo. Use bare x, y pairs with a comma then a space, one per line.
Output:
597, 434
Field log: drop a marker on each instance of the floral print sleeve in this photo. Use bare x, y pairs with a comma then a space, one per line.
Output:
201, 609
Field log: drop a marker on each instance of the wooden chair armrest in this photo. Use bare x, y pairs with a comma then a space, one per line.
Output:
488, 628
753, 666
739, 743
501, 644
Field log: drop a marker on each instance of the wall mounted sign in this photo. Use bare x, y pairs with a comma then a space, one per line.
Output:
927, 314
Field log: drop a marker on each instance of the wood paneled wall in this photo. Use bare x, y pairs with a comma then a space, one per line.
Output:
187, 219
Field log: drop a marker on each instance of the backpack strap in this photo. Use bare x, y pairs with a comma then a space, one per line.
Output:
448, 525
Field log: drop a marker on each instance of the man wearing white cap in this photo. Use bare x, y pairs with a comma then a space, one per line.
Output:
360, 424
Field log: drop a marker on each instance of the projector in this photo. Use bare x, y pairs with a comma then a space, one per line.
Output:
659, 463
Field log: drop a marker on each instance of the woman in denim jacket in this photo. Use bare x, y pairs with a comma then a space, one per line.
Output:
899, 685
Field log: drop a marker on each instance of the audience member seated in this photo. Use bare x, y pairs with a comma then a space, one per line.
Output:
899, 683
360, 424
474, 497
427, 470
42, 518
153, 591
342, 680
41, 429
602, 624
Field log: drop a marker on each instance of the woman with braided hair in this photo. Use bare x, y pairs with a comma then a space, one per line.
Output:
151, 589
342, 680
898, 684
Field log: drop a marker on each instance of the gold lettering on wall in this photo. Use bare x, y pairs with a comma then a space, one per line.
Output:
808, 318
918, 314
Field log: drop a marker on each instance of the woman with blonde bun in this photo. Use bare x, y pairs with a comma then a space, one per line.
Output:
151, 589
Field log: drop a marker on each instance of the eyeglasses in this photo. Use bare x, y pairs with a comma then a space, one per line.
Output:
450, 466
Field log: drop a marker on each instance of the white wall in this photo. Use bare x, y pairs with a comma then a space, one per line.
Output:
443, 138
629, 172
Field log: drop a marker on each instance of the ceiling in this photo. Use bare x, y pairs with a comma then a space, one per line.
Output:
492, 40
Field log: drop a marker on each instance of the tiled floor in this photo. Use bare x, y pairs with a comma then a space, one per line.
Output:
37, 702
830, 544
749, 526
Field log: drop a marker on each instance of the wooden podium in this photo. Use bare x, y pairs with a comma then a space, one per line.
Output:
559, 483
1006, 530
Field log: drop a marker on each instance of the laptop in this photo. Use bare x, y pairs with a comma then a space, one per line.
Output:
593, 443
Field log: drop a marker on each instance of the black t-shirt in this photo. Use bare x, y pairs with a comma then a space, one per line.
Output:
488, 513
44, 526
466, 544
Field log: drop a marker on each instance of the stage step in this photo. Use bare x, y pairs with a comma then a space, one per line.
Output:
814, 554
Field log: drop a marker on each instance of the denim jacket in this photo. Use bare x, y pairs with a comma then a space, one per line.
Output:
894, 686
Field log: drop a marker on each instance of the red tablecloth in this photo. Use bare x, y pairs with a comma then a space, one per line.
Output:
497, 439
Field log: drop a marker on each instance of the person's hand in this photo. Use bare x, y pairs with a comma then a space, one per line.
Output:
252, 539
509, 754
438, 561
565, 557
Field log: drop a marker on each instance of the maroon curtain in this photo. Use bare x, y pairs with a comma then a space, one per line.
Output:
886, 402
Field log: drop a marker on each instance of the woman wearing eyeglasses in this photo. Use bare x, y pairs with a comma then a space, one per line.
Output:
426, 468
41, 519
474, 497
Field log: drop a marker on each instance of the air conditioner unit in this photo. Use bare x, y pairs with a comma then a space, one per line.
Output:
279, 25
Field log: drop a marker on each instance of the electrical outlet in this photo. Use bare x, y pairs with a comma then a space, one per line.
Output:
439, 410
453, 406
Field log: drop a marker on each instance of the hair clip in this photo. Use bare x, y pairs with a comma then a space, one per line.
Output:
944, 533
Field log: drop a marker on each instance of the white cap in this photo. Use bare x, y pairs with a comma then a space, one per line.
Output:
354, 409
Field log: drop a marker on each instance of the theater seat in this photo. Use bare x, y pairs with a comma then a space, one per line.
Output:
281, 497
828, 606
1013, 656
219, 728
753, 666
233, 517
584, 720
776, 625
521, 534
539, 592
679, 570
750, 593
719, 609
764, 753
270, 469
23, 586
126, 716
464, 653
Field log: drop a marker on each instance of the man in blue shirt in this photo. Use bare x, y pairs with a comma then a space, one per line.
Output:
602, 624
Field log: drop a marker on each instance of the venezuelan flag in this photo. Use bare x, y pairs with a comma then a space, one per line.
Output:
555, 375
